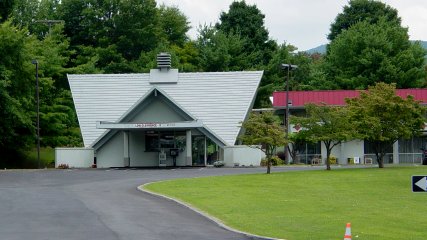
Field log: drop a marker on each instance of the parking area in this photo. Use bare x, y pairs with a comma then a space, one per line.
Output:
101, 204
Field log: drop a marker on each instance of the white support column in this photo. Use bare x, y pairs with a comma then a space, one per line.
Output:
396, 152
126, 159
188, 147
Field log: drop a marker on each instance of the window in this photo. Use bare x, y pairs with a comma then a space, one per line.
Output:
151, 141
166, 140
155, 141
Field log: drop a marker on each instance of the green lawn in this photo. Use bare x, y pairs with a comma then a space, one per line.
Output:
47, 158
379, 203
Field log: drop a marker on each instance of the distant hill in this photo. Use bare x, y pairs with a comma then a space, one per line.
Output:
322, 48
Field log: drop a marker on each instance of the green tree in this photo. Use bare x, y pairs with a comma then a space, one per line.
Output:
327, 124
264, 130
6, 7
17, 83
370, 11
274, 77
381, 117
90, 22
57, 115
138, 29
219, 51
367, 53
247, 22
174, 25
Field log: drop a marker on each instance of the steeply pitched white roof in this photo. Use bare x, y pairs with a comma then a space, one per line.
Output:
219, 99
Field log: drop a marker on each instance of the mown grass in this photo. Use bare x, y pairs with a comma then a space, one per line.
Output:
379, 203
47, 158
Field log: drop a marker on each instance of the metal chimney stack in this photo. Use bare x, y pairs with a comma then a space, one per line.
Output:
164, 61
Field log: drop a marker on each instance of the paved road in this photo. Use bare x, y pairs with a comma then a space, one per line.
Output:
100, 204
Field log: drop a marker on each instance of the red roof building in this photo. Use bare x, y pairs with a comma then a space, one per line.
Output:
297, 99
402, 151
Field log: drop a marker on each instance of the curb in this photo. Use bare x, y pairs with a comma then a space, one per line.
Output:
204, 214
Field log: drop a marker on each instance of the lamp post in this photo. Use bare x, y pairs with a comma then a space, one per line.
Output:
289, 68
35, 62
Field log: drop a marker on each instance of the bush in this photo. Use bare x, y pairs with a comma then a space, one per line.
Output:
218, 164
263, 162
63, 166
276, 161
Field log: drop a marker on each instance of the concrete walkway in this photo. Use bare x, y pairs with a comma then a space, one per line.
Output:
101, 204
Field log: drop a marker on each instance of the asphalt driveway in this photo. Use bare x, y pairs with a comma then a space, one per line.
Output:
100, 204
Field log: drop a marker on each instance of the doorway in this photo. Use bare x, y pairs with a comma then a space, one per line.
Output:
198, 150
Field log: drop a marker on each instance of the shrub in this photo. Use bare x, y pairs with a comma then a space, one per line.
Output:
63, 166
263, 162
275, 161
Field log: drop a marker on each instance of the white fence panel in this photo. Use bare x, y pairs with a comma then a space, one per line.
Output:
74, 157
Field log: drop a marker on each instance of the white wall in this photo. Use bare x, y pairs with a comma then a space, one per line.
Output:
74, 157
345, 150
351, 149
111, 153
242, 155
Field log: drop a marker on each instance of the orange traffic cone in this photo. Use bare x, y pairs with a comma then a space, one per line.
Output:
347, 235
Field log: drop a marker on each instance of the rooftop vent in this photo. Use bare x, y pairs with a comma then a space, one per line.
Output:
163, 73
163, 61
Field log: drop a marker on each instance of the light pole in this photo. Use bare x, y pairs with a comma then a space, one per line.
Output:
289, 68
35, 62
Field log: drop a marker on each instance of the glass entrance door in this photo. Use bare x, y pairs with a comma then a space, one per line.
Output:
198, 150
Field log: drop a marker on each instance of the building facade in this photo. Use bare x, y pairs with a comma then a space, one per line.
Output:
162, 118
356, 151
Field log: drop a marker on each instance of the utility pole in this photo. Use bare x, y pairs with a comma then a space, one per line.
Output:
289, 68
35, 62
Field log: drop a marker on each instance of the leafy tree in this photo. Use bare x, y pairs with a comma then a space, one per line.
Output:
327, 124
138, 27
274, 77
247, 22
188, 56
265, 130
57, 115
367, 53
370, 11
90, 22
174, 24
6, 7
219, 51
17, 83
381, 117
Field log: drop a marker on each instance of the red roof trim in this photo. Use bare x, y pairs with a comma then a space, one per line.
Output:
334, 97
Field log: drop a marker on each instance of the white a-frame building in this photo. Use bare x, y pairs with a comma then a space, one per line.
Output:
162, 118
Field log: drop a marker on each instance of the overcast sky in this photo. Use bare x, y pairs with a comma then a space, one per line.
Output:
303, 23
